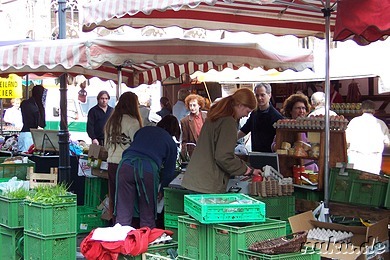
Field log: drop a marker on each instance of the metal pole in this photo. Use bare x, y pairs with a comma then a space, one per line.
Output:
1, 121
327, 13
27, 86
118, 86
63, 134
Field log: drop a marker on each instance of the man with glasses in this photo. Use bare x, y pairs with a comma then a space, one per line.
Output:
97, 118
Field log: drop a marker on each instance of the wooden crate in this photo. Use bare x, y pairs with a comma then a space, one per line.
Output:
37, 179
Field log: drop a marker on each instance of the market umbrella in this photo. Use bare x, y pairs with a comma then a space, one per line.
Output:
362, 21
278, 17
141, 60
153, 59
51, 59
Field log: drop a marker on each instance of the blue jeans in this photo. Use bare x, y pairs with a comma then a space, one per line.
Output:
24, 141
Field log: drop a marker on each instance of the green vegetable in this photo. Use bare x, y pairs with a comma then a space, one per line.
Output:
20, 193
50, 194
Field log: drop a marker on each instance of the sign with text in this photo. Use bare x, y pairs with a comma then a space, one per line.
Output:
11, 87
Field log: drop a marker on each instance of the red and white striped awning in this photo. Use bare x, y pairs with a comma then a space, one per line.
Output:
161, 58
46, 58
278, 17
141, 60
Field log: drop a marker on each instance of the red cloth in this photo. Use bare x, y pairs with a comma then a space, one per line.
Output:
136, 243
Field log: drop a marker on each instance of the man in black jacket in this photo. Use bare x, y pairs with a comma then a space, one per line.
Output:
97, 118
261, 120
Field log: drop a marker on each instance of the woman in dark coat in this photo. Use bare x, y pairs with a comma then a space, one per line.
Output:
149, 161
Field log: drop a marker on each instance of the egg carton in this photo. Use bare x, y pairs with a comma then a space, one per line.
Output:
330, 235
270, 188
270, 172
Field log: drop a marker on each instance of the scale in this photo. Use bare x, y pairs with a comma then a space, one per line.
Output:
45, 140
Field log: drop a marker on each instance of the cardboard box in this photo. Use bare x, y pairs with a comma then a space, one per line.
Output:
100, 173
97, 152
85, 168
362, 237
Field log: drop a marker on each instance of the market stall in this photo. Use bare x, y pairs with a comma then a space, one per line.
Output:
179, 14
318, 16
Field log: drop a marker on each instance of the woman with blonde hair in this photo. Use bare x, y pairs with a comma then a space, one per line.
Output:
119, 132
213, 161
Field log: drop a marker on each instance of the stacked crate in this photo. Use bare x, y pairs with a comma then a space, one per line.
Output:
88, 215
357, 187
225, 239
50, 229
173, 208
20, 170
279, 207
306, 254
193, 238
11, 228
96, 190
12, 212
202, 236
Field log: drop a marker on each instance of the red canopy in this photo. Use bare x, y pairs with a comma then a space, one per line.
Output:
362, 20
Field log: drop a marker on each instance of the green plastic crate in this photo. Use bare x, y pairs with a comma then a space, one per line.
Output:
4, 180
224, 208
224, 240
370, 193
10, 243
19, 170
288, 228
48, 220
346, 187
49, 248
170, 219
305, 194
305, 254
89, 218
11, 212
95, 191
281, 207
174, 200
192, 238
340, 183
157, 250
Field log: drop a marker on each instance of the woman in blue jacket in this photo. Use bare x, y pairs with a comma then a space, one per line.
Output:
149, 161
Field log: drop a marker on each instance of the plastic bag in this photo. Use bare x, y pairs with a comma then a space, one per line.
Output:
320, 213
13, 184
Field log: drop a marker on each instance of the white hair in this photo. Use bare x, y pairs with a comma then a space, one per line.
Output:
318, 98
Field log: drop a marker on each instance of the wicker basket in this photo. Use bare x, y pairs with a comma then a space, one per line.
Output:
281, 245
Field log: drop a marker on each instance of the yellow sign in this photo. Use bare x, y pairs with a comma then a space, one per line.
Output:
11, 87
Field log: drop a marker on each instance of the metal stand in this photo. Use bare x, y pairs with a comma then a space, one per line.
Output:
46, 137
